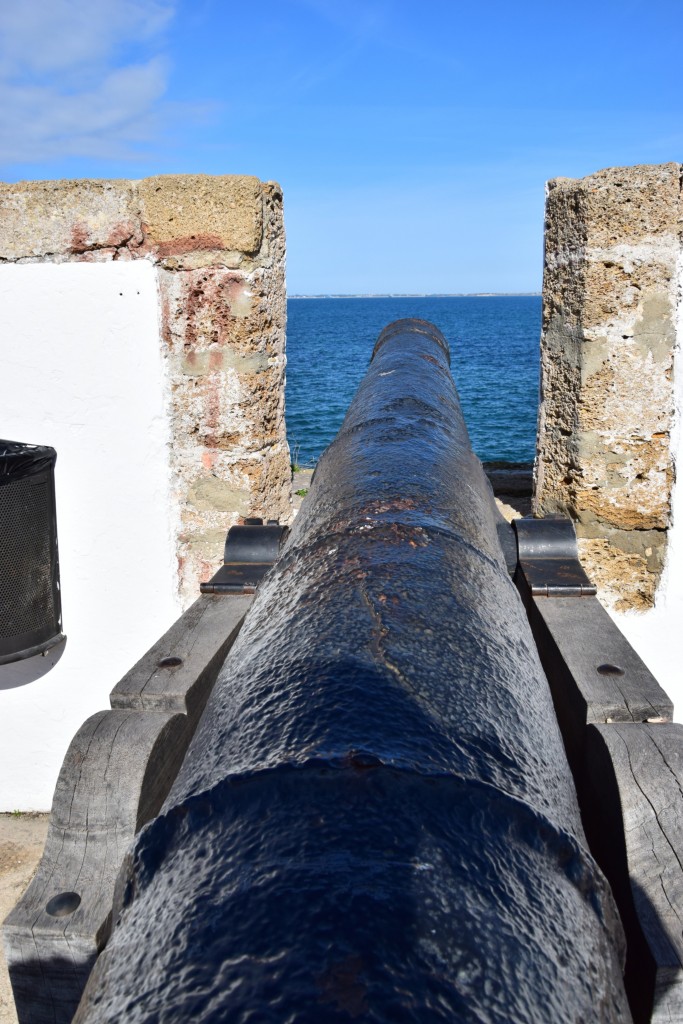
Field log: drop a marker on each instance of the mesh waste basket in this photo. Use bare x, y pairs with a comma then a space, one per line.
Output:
30, 604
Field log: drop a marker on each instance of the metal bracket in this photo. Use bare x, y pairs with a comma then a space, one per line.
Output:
548, 558
250, 550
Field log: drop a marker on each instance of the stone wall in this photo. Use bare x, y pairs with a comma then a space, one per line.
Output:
611, 295
217, 245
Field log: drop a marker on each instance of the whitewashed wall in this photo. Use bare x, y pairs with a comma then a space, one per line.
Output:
82, 371
657, 634
142, 334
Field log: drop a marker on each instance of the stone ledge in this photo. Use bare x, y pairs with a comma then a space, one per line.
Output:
623, 204
195, 213
43, 219
180, 220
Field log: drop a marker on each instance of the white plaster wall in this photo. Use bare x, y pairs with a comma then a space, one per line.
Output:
81, 370
657, 635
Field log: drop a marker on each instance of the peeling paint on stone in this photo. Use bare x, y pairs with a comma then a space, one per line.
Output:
609, 312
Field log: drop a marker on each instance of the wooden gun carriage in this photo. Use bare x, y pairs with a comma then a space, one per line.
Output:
378, 771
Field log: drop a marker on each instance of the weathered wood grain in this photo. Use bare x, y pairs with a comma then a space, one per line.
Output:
201, 639
580, 648
115, 776
117, 771
634, 820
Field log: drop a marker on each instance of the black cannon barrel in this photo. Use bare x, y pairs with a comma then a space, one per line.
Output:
375, 820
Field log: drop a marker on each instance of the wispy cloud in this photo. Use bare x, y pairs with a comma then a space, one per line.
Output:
81, 78
356, 25
386, 25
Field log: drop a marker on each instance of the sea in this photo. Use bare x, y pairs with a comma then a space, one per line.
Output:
494, 342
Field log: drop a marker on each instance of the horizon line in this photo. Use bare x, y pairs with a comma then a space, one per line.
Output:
411, 295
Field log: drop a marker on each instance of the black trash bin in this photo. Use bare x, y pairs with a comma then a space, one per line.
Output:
30, 604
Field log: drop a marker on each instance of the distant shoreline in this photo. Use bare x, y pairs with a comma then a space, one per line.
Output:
423, 295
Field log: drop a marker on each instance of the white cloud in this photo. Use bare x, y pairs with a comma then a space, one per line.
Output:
81, 77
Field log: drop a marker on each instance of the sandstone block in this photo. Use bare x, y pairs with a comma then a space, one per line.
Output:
67, 219
201, 215
210, 494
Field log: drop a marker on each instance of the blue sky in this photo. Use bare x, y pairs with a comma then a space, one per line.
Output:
412, 140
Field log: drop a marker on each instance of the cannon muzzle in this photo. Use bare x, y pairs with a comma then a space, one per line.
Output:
375, 820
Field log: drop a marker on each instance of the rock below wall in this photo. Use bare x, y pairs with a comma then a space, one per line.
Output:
610, 292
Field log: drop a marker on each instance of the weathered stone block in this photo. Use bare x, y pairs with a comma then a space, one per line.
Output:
209, 494
67, 219
199, 216
212, 306
609, 318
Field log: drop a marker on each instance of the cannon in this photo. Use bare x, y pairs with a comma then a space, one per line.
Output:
375, 818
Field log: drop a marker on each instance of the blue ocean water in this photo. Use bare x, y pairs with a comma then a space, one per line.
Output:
494, 360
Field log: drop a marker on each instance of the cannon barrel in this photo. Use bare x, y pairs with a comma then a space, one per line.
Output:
375, 819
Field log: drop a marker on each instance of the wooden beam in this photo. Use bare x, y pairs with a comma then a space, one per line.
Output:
116, 774
177, 673
634, 821
594, 673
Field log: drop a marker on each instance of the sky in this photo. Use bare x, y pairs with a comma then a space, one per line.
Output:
412, 140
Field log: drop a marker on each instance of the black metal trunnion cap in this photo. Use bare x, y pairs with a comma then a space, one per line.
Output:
30, 603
